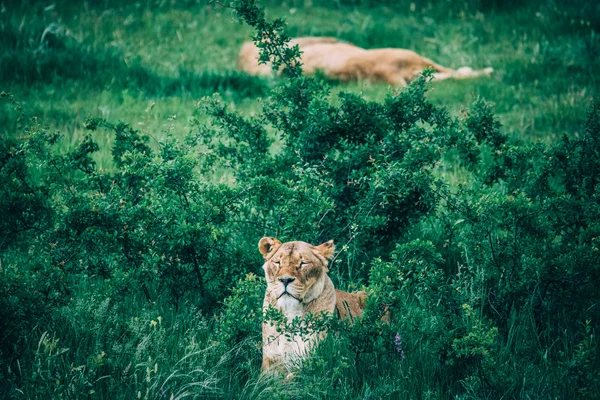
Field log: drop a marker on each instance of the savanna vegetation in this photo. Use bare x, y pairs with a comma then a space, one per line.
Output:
139, 169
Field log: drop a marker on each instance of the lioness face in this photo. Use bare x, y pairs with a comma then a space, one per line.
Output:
294, 270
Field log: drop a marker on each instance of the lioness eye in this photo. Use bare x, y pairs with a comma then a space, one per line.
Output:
303, 263
277, 263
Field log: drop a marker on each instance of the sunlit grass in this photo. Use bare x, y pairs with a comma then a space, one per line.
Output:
139, 54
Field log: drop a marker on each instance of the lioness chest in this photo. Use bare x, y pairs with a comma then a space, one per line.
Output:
283, 347
287, 349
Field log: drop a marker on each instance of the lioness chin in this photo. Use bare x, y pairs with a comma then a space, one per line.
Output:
347, 62
297, 284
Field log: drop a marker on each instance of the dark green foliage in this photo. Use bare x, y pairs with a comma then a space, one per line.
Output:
366, 168
270, 38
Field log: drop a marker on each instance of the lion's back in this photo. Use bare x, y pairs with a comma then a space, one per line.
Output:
349, 305
318, 53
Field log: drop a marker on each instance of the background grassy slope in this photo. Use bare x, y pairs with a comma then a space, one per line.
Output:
114, 60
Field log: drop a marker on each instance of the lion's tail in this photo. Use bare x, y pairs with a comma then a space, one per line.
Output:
442, 72
461, 73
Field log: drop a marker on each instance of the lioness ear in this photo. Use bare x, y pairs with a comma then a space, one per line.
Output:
268, 245
326, 249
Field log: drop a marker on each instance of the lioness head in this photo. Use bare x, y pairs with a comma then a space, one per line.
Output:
295, 271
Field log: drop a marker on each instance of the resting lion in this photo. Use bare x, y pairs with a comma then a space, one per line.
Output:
297, 283
347, 62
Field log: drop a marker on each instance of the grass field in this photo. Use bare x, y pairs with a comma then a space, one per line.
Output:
149, 63
115, 61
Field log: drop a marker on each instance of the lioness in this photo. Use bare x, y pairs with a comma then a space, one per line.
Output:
297, 283
347, 62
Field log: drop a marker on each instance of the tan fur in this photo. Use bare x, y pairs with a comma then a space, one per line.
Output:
347, 62
248, 57
349, 305
297, 284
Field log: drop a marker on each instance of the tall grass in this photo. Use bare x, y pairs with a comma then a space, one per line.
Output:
100, 348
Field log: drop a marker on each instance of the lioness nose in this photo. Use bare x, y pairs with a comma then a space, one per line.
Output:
286, 280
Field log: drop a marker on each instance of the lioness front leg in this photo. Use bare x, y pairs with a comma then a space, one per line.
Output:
394, 78
266, 363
